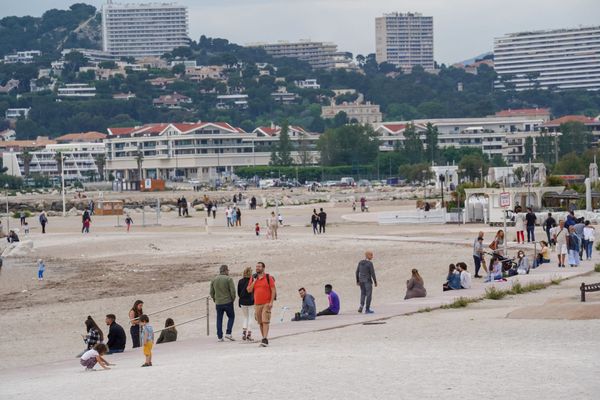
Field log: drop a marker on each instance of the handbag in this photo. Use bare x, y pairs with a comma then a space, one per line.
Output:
493, 245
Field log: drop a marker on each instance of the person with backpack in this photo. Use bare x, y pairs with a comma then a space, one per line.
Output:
262, 285
43, 221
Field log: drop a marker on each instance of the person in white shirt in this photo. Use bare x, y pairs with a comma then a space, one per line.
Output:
465, 276
589, 234
520, 226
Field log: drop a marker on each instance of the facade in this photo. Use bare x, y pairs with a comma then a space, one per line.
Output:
16, 113
80, 161
504, 136
404, 40
551, 59
77, 90
203, 150
228, 101
307, 84
174, 101
25, 57
317, 54
143, 30
362, 113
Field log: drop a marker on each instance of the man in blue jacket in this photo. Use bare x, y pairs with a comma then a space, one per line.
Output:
309, 308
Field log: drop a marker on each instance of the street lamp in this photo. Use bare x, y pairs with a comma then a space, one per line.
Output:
7, 212
442, 180
62, 180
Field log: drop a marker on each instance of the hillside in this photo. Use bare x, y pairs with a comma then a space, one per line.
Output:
53, 31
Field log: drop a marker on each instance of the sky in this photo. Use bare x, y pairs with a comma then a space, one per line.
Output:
462, 28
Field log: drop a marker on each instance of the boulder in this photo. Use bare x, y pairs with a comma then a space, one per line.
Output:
73, 212
19, 249
165, 208
199, 207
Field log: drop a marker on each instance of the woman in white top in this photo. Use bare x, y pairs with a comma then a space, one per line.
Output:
589, 234
520, 226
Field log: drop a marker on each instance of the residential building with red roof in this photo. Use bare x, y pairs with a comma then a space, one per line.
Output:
89, 137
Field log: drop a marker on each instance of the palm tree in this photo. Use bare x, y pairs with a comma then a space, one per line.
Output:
100, 160
26, 157
58, 157
139, 158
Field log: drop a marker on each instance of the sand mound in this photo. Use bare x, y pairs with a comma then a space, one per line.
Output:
19, 249
570, 310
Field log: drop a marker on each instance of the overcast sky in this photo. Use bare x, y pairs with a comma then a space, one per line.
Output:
462, 28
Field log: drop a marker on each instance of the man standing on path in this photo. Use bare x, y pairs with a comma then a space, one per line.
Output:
560, 238
322, 221
222, 291
365, 278
478, 253
273, 225
531, 218
549, 223
265, 293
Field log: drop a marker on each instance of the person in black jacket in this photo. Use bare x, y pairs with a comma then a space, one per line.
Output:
116, 335
246, 303
322, 221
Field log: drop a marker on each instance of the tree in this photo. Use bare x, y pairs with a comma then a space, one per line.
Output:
340, 119
58, 157
100, 160
348, 145
528, 148
416, 172
575, 138
431, 139
474, 166
178, 69
413, 146
26, 157
284, 146
498, 161
304, 155
139, 159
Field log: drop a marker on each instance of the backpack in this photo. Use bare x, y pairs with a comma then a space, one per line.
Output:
269, 283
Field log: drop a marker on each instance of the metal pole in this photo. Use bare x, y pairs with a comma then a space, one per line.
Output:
207, 318
505, 239
144, 216
62, 178
7, 214
157, 210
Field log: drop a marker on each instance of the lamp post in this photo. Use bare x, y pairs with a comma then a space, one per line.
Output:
442, 179
62, 183
7, 212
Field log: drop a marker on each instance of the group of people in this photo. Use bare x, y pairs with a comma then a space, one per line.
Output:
142, 335
318, 221
525, 221
572, 238
182, 207
233, 216
458, 277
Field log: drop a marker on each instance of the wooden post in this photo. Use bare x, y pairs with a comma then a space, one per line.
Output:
582, 288
207, 318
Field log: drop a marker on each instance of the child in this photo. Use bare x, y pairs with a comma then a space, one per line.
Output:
280, 219
26, 227
93, 356
257, 229
128, 222
147, 339
41, 269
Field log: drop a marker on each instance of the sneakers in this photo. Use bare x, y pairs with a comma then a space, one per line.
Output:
221, 340
146, 365
264, 342
229, 337
249, 337
244, 337
369, 312
359, 310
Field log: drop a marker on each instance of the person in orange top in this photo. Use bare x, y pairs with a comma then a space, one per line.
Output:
265, 293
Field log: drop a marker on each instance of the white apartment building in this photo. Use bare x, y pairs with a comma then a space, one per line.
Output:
143, 30
79, 161
202, 150
75, 90
404, 40
25, 57
504, 136
550, 59
16, 113
308, 84
317, 54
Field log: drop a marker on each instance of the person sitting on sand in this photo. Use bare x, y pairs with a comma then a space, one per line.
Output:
12, 237
543, 256
415, 286
116, 335
309, 308
465, 276
495, 269
169, 334
334, 302
90, 358
452, 280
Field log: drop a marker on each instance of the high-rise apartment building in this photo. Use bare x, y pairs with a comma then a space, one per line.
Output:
550, 59
142, 30
317, 54
404, 40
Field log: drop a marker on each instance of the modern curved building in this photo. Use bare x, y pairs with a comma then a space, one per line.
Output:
551, 59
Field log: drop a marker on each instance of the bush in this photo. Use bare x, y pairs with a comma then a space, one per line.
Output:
597, 268
459, 303
17, 214
494, 294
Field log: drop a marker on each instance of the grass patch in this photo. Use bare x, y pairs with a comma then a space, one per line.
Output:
494, 294
556, 281
597, 267
459, 303
424, 310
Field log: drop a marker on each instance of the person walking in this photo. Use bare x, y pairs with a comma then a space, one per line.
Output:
128, 222
214, 210
22, 216
43, 221
589, 234
246, 303
222, 291
262, 285
573, 246
365, 278
314, 220
560, 239
238, 219
548, 224
273, 225
134, 319
531, 218
322, 221
520, 226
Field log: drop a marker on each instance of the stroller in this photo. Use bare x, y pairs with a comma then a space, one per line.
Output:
507, 263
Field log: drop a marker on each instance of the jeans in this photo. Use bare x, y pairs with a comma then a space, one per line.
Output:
41, 274
225, 309
548, 235
573, 257
326, 311
135, 335
477, 261
115, 351
315, 227
366, 293
322, 228
530, 233
588, 248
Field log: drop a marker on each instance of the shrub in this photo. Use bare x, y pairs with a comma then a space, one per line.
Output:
597, 268
17, 214
459, 303
494, 294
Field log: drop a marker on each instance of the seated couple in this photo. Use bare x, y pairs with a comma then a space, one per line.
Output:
309, 307
458, 277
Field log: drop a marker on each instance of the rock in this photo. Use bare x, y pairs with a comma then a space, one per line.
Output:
199, 207
165, 208
19, 249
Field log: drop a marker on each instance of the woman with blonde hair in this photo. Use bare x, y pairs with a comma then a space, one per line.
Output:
415, 286
246, 303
